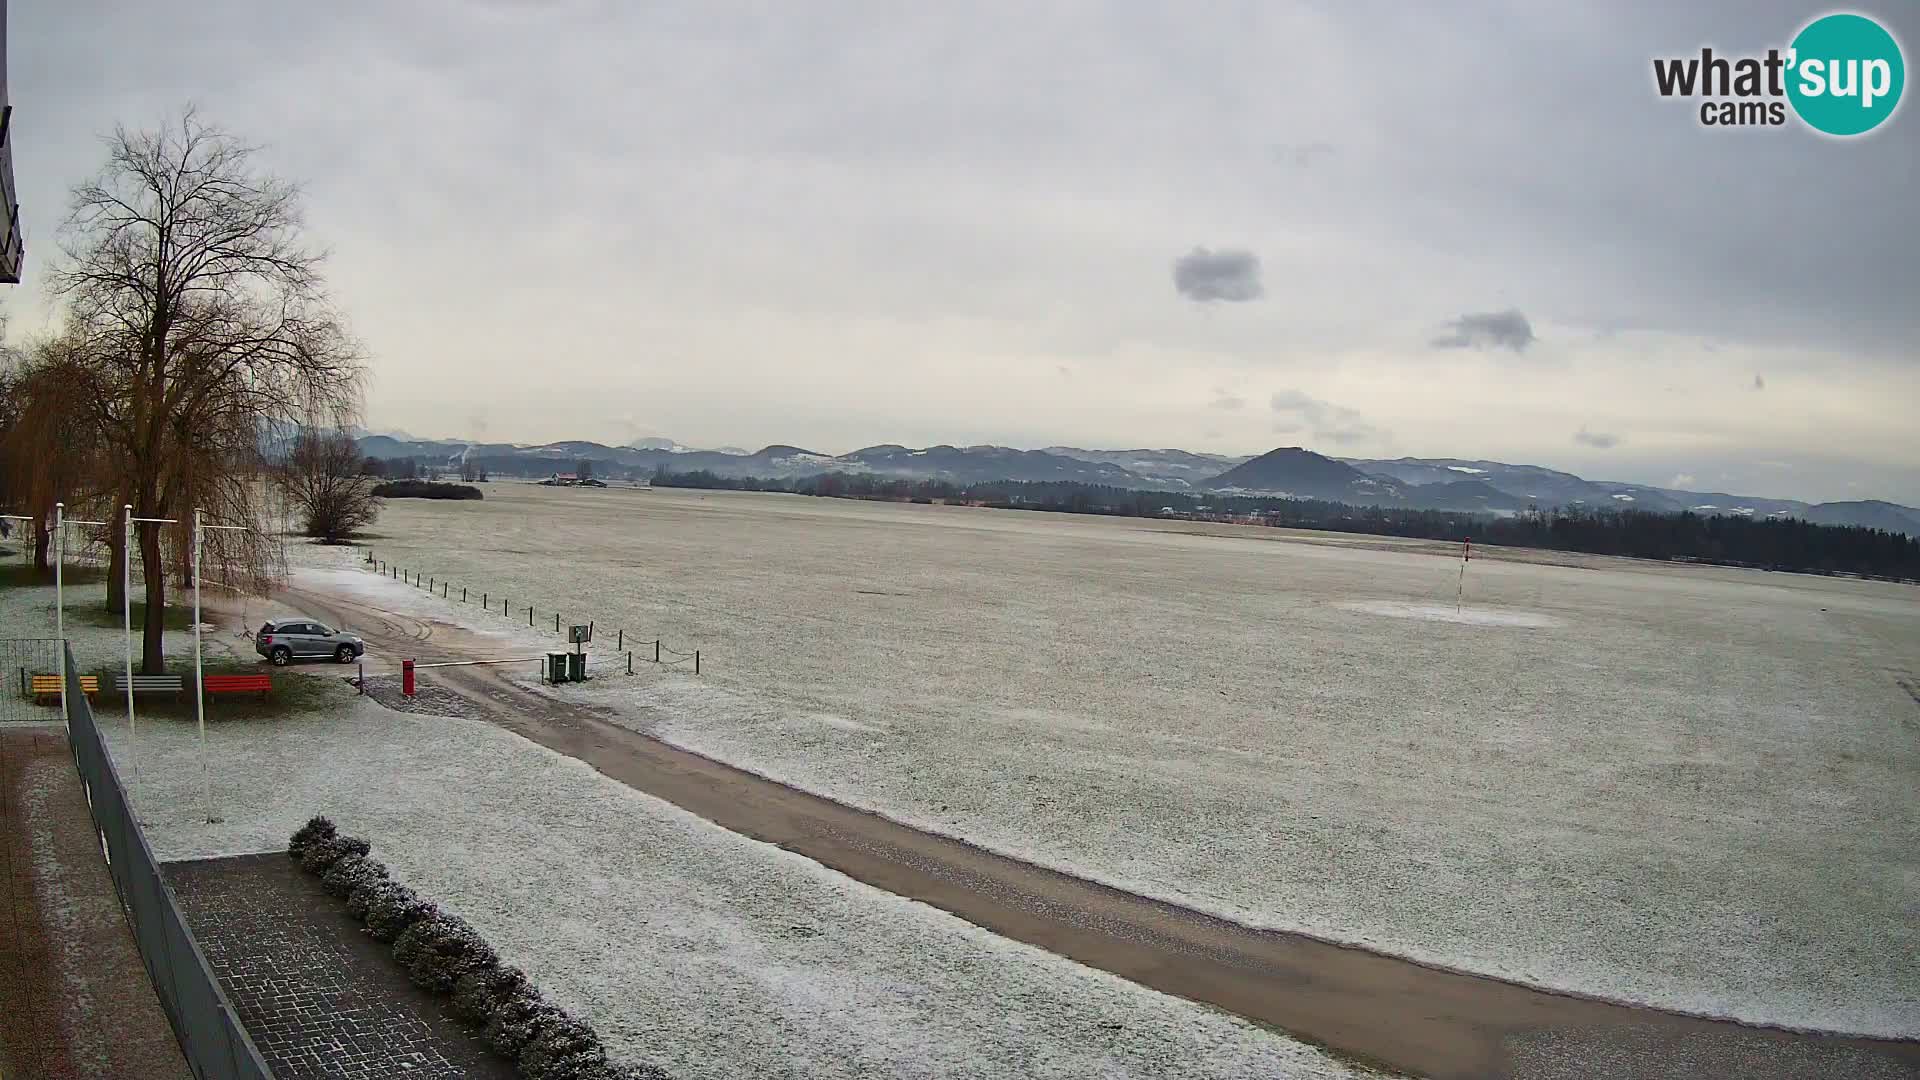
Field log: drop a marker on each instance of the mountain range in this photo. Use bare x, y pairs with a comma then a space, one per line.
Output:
1492, 487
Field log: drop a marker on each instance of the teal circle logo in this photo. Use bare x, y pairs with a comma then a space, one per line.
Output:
1845, 74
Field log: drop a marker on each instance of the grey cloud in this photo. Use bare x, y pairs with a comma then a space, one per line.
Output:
1224, 400
1301, 155
1329, 423
1599, 440
1507, 329
1759, 383
1231, 275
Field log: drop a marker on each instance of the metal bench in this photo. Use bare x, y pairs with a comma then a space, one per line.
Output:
238, 684
151, 684
48, 686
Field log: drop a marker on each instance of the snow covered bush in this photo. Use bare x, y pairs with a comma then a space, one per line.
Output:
476, 992
440, 948
516, 1020
562, 1048
361, 899
316, 828
444, 954
349, 872
323, 853
391, 912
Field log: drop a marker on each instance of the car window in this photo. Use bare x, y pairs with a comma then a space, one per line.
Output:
320, 628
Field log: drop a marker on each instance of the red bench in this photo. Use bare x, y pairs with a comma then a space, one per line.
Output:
238, 684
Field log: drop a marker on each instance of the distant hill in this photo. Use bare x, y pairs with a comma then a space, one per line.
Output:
1303, 474
1872, 513
1492, 487
1180, 468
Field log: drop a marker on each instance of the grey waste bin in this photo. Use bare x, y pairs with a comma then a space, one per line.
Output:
576, 667
556, 667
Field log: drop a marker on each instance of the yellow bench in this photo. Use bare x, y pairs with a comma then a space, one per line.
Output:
48, 686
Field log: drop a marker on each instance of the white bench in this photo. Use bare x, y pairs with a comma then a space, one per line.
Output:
151, 684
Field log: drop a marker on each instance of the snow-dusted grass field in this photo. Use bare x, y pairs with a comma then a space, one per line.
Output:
1682, 786
683, 944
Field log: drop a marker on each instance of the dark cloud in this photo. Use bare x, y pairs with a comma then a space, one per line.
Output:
1599, 440
1224, 400
1507, 329
1205, 275
1329, 423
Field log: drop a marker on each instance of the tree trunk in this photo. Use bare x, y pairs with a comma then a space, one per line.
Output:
42, 545
153, 657
117, 567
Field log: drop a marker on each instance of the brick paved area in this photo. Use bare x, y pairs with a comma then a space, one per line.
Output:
75, 1000
319, 997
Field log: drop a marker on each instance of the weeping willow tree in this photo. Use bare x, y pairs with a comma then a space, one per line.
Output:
200, 320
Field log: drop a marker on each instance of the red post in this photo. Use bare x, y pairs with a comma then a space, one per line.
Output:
406, 677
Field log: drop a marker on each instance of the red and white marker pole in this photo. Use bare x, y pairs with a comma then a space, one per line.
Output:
1466, 556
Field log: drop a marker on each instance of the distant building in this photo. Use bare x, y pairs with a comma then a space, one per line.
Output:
13, 249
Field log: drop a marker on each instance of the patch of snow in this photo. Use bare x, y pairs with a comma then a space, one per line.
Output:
1470, 470
1624, 498
1471, 616
683, 944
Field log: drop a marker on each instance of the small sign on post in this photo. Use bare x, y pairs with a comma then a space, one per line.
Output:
579, 635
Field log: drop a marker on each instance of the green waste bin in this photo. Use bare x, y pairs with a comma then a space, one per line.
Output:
576, 667
556, 667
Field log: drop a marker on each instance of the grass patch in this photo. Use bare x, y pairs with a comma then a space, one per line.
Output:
294, 692
175, 618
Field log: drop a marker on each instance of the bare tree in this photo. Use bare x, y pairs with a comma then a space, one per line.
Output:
323, 480
49, 451
204, 321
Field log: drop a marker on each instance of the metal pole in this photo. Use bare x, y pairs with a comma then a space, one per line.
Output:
696, 661
60, 596
126, 619
199, 694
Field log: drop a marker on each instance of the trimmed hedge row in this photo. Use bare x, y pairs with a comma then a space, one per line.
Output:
442, 953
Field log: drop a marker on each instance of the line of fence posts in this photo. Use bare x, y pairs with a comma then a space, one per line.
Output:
620, 640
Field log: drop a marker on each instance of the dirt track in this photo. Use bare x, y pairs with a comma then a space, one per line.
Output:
1379, 1010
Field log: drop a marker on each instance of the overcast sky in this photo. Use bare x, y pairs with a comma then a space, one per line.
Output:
1374, 230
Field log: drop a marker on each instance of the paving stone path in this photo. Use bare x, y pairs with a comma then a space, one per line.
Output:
319, 997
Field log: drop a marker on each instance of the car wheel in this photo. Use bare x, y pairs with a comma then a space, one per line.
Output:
281, 656
344, 654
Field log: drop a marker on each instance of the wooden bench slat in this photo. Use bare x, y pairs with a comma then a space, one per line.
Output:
49, 685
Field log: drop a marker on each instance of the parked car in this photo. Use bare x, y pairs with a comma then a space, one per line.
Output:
285, 640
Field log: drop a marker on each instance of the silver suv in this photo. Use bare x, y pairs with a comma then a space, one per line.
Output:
284, 640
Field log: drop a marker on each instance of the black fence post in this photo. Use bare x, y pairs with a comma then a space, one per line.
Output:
696, 661
629, 663
529, 616
463, 594
620, 641
556, 622
656, 650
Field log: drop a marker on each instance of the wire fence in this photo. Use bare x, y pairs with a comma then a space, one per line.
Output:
31, 668
215, 1044
635, 647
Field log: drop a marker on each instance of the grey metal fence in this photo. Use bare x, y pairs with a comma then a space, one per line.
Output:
20, 660
216, 1046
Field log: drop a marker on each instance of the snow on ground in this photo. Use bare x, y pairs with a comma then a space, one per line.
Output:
682, 943
1471, 616
1694, 789
28, 612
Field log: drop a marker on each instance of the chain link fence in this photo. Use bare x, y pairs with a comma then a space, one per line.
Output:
20, 660
215, 1044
